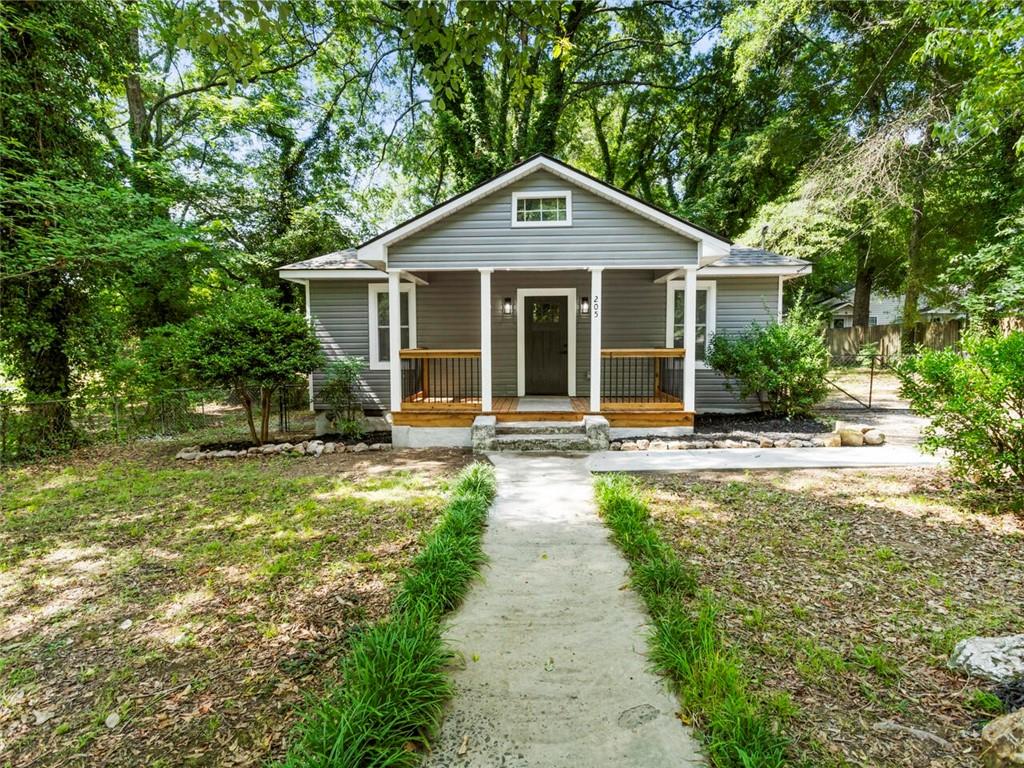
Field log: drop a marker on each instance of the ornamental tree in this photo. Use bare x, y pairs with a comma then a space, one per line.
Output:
245, 343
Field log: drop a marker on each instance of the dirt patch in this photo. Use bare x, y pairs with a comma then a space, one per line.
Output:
177, 616
845, 591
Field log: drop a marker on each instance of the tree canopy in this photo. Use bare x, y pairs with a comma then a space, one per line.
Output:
156, 155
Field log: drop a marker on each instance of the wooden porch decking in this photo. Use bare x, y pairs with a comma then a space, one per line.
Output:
666, 411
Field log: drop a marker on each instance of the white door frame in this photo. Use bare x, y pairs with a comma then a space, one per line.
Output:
521, 294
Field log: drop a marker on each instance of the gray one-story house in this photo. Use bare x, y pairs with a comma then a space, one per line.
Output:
543, 294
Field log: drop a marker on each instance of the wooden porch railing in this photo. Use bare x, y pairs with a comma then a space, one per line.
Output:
642, 378
440, 378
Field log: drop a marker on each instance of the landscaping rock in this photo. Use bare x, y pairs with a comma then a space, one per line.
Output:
615, 447
994, 658
359, 448
658, 445
330, 447
630, 445
851, 437
1002, 741
187, 455
675, 445
315, 447
719, 443
642, 445
700, 444
224, 455
323, 423
734, 444
765, 442
270, 448
782, 443
873, 437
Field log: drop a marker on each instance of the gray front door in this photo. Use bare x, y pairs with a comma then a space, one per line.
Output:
546, 345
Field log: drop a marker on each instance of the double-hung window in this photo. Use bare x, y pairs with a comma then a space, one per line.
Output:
676, 318
542, 209
380, 323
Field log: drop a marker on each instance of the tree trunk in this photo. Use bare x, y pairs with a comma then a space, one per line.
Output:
915, 250
266, 395
247, 404
862, 292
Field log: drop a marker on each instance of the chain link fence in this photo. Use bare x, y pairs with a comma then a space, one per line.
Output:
32, 428
864, 381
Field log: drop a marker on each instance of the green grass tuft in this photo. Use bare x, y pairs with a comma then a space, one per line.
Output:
686, 645
393, 686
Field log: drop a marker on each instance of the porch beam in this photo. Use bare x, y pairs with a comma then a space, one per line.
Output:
486, 398
675, 273
595, 338
414, 278
395, 338
690, 338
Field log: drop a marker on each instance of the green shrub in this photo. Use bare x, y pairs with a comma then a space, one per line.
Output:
341, 395
975, 401
782, 364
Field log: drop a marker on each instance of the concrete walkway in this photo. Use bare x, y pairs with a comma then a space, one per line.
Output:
555, 673
758, 458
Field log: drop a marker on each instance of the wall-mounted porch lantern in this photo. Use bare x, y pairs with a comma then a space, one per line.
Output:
584, 305
506, 306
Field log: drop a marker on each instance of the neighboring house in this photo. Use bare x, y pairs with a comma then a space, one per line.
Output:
538, 295
882, 310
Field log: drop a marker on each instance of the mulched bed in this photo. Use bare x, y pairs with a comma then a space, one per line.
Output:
756, 422
383, 436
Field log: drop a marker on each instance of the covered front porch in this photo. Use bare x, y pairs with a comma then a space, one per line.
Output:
521, 314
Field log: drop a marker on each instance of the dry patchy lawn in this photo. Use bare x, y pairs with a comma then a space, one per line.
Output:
844, 592
195, 605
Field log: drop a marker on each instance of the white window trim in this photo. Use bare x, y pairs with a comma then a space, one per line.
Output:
711, 286
566, 193
375, 289
521, 294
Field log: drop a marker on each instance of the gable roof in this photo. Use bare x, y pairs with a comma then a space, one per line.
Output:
710, 245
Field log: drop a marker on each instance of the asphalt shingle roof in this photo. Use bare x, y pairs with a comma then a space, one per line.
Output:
338, 260
743, 256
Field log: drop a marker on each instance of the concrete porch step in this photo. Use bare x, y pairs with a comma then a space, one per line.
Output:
540, 442
541, 428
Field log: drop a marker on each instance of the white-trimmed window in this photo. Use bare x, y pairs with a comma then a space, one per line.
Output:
542, 209
705, 326
380, 323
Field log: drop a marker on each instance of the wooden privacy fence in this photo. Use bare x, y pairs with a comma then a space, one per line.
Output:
844, 344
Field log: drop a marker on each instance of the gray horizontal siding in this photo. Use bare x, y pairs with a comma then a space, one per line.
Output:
448, 316
601, 233
338, 309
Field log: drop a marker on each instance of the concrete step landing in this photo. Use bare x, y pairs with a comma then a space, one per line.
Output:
591, 433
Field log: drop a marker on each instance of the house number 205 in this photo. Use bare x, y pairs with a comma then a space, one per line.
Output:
596, 306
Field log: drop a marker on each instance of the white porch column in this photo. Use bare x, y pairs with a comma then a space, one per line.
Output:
486, 400
595, 339
395, 338
690, 337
